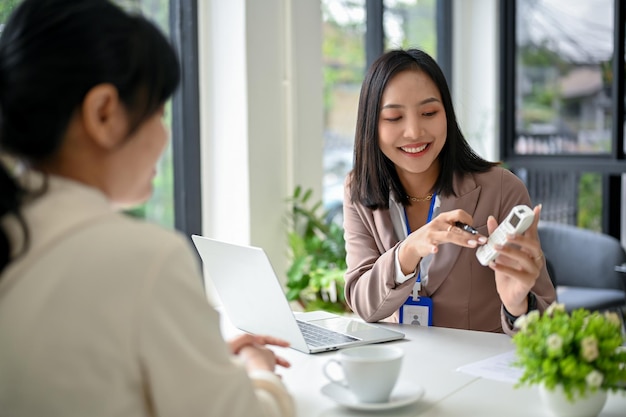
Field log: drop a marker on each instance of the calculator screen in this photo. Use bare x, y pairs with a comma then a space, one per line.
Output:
514, 220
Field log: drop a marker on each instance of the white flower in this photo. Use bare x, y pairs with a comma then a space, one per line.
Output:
523, 321
554, 342
612, 317
533, 316
594, 379
555, 307
589, 347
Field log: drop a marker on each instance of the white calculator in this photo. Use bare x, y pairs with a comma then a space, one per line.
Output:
519, 219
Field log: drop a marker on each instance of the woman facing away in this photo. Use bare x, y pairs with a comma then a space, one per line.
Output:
414, 177
101, 314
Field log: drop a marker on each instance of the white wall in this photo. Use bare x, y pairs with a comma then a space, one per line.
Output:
224, 120
261, 124
475, 73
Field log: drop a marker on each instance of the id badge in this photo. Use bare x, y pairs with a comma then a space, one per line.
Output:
417, 312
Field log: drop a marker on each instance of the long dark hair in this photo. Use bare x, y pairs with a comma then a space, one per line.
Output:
374, 175
52, 52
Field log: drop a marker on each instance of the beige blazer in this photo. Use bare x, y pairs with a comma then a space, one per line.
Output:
463, 291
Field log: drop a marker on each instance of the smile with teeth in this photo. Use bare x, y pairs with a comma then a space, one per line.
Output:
414, 149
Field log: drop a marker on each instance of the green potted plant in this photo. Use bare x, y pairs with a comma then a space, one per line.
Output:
574, 358
315, 278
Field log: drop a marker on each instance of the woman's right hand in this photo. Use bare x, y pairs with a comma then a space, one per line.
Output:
255, 355
441, 229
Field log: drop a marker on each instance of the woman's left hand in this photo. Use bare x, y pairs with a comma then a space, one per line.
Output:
517, 266
242, 341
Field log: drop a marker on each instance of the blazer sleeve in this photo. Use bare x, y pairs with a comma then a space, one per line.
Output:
187, 366
514, 192
370, 289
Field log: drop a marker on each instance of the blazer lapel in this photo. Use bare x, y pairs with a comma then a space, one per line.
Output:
467, 193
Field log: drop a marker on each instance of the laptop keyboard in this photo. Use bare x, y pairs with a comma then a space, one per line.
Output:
316, 336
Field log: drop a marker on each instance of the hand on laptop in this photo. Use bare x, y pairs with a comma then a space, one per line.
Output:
254, 353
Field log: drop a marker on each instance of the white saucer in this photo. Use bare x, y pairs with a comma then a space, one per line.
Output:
404, 393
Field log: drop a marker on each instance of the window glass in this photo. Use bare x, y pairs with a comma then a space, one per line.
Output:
563, 76
567, 196
590, 198
406, 23
411, 24
343, 55
6, 7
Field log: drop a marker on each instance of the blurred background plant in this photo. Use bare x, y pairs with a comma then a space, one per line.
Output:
315, 278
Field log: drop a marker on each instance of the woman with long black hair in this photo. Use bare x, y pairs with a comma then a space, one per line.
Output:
415, 185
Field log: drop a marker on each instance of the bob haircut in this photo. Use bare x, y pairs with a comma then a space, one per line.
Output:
374, 176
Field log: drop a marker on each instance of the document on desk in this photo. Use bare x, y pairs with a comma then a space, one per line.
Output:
499, 368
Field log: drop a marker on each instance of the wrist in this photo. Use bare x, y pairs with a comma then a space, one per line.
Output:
253, 360
407, 255
530, 305
518, 309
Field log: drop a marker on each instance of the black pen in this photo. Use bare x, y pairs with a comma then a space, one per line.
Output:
466, 227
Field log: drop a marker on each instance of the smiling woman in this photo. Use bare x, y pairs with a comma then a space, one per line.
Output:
412, 129
415, 178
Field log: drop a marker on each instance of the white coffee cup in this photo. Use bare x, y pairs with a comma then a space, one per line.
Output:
369, 372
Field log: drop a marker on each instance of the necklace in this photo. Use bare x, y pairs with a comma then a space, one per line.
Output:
427, 197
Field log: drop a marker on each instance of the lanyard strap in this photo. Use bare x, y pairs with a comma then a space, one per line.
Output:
408, 229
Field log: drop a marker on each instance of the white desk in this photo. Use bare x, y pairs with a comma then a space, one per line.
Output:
432, 356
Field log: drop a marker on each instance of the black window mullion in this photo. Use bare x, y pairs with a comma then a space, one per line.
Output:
374, 36
611, 207
186, 119
612, 184
507, 48
444, 38
618, 80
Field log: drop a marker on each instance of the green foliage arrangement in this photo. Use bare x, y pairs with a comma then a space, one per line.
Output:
317, 254
581, 351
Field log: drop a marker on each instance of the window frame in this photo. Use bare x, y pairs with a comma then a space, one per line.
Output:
186, 120
186, 147
611, 165
375, 34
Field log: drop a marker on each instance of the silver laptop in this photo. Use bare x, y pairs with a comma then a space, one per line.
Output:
254, 301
